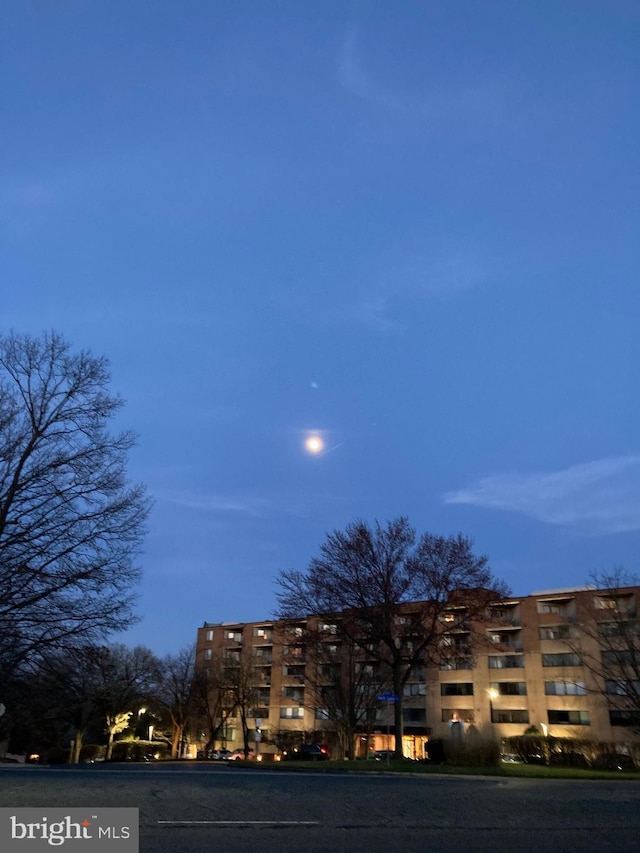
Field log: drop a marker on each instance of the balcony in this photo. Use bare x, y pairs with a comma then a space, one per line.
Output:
502, 646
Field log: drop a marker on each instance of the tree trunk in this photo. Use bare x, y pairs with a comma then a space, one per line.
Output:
176, 738
109, 751
74, 755
397, 714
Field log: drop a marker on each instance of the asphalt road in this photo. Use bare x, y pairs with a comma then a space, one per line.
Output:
200, 808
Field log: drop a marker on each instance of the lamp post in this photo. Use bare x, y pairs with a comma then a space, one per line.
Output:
141, 712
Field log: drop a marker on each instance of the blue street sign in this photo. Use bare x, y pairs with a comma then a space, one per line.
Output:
388, 696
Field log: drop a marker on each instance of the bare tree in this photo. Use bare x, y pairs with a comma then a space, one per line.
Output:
213, 699
244, 690
342, 682
70, 524
175, 694
608, 642
97, 686
389, 592
124, 680
66, 691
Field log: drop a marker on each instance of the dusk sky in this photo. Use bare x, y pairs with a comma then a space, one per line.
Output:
407, 228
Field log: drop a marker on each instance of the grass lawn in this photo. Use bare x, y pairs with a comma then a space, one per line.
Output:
530, 771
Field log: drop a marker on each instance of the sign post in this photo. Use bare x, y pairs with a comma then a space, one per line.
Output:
258, 735
388, 696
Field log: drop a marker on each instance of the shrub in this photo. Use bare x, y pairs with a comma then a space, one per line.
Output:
573, 752
138, 750
57, 755
471, 752
92, 752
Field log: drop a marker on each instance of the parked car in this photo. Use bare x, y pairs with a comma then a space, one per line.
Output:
307, 752
383, 754
238, 754
219, 754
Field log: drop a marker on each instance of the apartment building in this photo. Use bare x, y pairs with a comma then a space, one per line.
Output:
549, 659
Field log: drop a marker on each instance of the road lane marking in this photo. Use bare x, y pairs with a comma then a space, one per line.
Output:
237, 822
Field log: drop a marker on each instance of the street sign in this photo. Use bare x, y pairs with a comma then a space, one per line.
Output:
387, 696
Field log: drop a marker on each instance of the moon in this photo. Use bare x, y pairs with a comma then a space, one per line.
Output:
314, 444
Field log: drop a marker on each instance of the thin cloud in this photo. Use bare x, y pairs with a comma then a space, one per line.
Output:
351, 74
213, 503
372, 313
237, 505
480, 102
444, 277
601, 496
419, 278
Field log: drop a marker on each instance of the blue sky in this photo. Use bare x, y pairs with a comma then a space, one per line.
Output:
411, 228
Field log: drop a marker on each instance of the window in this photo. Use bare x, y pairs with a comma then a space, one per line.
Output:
456, 714
293, 651
370, 670
498, 636
562, 659
558, 632
329, 671
456, 663
263, 633
294, 671
565, 606
414, 690
569, 718
564, 688
506, 614
456, 643
236, 636
296, 693
624, 718
322, 714
329, 628
506, 661
510, 688
263, 654
622, 688
610, 629
207, 654
291, 713
617, 657
622, 604
455, 688
414, 715
209, 636
602, 602
512, 715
